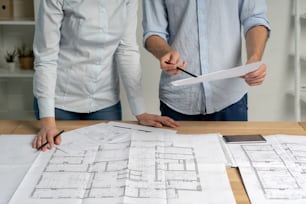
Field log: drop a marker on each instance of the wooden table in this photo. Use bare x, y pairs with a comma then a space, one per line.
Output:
303, 124
229, 128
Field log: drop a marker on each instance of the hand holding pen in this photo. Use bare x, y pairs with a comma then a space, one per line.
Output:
183, 70
47, 137
54, 138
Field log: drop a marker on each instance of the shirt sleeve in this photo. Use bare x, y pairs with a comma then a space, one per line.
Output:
253, 13
46, 47
154, 19
128, 61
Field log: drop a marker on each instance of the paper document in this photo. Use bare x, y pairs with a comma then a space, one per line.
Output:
139, 167
140, 127
78, 140
224, 74
16, 157
273, 172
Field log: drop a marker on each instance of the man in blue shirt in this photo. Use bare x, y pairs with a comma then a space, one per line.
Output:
206, 34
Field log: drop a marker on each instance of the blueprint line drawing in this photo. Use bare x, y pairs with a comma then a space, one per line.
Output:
278, 178
273, 172
297, 152
92, 174
121, 166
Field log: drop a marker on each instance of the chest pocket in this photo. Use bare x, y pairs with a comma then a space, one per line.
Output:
178, 12
85, 19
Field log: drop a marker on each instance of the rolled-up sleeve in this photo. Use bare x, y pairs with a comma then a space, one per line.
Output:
253, 13
46, 47
154, 19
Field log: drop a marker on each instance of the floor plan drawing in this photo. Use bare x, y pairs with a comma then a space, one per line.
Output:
137, 167
279, 178
92, 174
297, 151
273, 172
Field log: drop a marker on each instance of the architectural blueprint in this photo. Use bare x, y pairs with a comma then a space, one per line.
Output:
117, 165
273, 172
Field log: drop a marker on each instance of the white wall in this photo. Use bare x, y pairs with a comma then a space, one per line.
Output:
151, 73
268, 102
271, 101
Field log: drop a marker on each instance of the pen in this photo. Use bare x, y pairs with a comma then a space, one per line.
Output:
183, 70
55, 136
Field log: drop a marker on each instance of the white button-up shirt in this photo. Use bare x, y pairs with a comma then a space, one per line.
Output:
80, 48
207, 34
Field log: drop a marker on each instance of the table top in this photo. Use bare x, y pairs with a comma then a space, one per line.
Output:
194, 127
229, 128
303, 124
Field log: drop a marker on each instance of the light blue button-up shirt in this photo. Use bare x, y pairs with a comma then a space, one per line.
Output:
207, 34
80, 47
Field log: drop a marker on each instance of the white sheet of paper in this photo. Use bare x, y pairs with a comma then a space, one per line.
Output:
16, 157
224, 74
88, 137
140, 127
150, 167
273, 172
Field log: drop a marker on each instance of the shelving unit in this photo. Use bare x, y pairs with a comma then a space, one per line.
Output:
18, 73
18, 21
303, 93
303, 81
299, 59
16, 86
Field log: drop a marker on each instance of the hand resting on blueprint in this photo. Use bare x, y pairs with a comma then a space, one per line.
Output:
46, 134
48, 129
156, 120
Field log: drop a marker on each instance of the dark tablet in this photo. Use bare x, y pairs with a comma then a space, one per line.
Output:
243, 138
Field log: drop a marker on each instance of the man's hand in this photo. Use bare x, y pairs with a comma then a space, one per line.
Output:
168, 57
46, 134
170, 62
257, 77
156, 120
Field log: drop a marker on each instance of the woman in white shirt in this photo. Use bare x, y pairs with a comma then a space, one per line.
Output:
81, 48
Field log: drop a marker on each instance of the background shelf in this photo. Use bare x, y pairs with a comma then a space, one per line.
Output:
18, 21
17, 73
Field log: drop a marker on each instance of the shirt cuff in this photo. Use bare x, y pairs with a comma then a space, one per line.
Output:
137, 106
46, 107
148, 34
259, 22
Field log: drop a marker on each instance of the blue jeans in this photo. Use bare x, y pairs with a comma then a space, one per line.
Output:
235, 112
109, 113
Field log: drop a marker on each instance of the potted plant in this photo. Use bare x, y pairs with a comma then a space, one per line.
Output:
10, 59
26, 57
